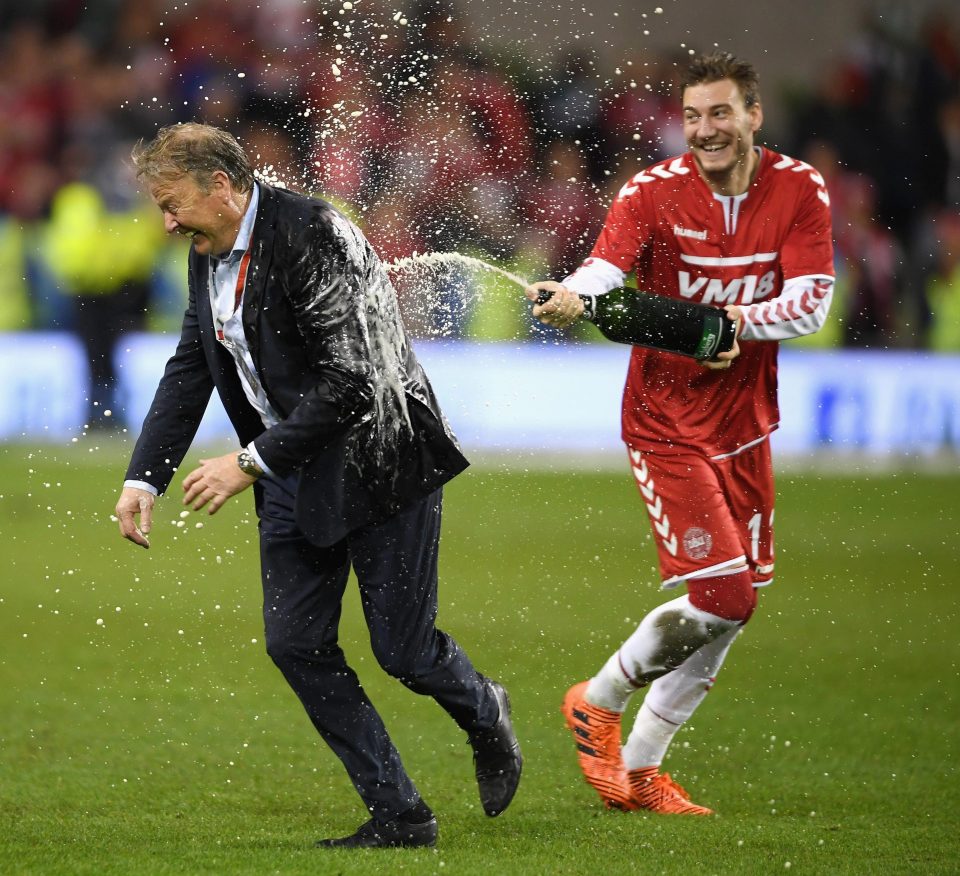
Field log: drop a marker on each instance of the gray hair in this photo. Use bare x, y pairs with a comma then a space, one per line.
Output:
194, 149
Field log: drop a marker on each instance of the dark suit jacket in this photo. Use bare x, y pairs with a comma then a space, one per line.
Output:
359, 421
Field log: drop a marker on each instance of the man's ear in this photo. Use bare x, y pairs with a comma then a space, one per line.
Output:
756, 117
220, 183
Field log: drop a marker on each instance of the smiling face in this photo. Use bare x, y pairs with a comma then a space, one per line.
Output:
719, 129
211, 219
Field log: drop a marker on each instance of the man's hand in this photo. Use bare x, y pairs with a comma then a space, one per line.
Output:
725, 360
132, 502
213, 482
563, 308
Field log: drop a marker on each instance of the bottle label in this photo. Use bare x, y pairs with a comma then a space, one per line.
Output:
710, 339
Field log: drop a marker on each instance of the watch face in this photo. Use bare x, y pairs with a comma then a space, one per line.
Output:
248, 465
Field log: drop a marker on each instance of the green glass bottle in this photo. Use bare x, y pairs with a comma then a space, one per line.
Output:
629, 316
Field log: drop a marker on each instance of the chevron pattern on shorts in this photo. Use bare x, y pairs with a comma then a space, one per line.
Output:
658, 517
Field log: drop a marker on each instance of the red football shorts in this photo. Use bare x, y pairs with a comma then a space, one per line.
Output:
707, 513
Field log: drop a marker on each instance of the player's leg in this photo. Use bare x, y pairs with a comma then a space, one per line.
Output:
671, 700
684, 500
747, 482
396, 567
697, 540
716, 619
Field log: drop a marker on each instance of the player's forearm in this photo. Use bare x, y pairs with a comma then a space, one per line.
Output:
800, 309
595, 277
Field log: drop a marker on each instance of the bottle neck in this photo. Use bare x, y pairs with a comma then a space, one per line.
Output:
589, 307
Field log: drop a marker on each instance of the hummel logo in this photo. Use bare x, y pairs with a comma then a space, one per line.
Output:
689, 232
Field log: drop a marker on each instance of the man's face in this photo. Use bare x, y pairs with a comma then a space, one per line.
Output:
204, 217
718, 128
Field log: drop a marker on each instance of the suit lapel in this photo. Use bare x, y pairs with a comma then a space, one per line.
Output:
201, 273
261, 245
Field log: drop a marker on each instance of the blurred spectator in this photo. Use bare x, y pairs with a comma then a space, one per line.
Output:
570, 108
942, 173
563, 210
639, 114
884, 108
14, 292
873, 258
935, 109
31, 109
104, 251
943, 289
835, 112
867, 308
274, 154
351, 151
948, 152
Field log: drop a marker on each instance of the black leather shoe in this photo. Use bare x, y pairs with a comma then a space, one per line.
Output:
386, 835
497, 758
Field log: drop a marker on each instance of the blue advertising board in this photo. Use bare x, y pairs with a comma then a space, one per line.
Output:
522, 398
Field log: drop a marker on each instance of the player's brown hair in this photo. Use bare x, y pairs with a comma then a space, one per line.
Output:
722, 65
194, 149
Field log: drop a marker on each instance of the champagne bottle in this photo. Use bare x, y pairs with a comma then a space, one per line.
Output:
629, 316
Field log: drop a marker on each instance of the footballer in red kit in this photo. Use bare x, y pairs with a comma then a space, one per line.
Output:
768, 251
740, 227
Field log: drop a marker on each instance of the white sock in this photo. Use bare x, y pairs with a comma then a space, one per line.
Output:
610, 688
671, 700
649, 739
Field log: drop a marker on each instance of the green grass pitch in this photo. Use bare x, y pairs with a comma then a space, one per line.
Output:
143, 730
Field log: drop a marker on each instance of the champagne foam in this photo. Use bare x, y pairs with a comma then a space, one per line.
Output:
448, 259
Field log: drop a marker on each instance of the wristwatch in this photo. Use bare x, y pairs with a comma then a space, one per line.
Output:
248, 465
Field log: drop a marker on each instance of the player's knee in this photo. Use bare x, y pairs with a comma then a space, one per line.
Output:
732, 597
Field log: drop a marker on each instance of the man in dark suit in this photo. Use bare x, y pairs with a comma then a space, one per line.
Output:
292, 318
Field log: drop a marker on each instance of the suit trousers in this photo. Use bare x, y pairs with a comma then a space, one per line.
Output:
396, 567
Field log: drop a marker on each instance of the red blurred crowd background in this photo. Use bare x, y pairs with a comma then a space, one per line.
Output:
434, 143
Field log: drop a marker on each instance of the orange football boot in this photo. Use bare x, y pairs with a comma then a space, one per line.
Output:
596, 733
657, 792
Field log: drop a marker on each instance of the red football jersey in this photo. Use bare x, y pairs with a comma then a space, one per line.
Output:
686, 242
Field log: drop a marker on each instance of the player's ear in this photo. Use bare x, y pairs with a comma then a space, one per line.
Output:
756, 117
